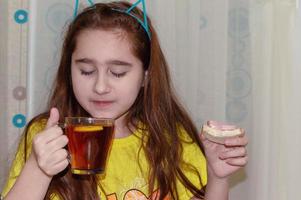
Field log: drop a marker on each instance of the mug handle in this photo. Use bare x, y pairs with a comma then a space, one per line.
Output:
62, 125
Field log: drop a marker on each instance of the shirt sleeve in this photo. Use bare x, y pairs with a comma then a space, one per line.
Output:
19, 160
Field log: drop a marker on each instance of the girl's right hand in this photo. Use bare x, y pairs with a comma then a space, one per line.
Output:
48, 147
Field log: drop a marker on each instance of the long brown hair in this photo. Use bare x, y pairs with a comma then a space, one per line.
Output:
156, 105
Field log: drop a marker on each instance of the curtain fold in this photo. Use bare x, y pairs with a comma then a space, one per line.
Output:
13, 77
276, 111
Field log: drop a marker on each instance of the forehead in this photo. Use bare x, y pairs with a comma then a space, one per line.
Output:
110, 35
105, 44
92, 39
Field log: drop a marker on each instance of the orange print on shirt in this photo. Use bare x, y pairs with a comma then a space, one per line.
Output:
134, 194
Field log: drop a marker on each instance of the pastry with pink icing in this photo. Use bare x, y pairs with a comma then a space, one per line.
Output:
218, 131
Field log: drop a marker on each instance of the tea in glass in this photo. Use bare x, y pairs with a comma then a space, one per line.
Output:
89, 143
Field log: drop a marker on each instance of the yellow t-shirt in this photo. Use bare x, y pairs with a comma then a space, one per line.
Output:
124, 179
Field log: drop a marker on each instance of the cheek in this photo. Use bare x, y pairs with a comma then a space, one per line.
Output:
75, 83
79, 88
130, 92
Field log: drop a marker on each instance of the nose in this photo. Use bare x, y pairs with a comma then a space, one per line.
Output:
102, 85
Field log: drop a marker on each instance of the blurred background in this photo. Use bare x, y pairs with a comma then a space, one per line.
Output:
232, 60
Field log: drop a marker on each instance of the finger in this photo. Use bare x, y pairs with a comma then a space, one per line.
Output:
41, 139
57, 144
48, 135
57, 168
237, 141
205, 141
53, 119
59, 156
233, 153
210, 146
242, 161
202, 136
61, 165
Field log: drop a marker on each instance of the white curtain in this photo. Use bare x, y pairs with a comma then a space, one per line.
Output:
275, 141
13, 70
231, 60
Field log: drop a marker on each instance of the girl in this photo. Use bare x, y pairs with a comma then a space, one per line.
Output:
112, 66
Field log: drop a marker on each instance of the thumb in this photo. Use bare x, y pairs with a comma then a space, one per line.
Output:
53, 118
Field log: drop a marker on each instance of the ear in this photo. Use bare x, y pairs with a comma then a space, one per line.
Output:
145, 79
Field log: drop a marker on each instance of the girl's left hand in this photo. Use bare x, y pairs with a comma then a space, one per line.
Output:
225, 159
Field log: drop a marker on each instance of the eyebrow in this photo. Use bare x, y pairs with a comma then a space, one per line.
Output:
119, 62
86, 60
109, 62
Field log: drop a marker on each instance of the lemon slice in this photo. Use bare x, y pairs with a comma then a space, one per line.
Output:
87, 128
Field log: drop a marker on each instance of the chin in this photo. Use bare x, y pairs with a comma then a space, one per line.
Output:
103, 115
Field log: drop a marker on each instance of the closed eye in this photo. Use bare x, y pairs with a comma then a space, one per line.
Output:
118, 75
86, 73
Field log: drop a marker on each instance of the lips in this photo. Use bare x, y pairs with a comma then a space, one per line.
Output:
102, 104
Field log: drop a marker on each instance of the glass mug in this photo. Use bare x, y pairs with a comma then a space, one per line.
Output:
90, 140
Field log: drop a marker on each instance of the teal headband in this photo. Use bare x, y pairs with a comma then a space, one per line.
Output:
77, 5
143, 23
